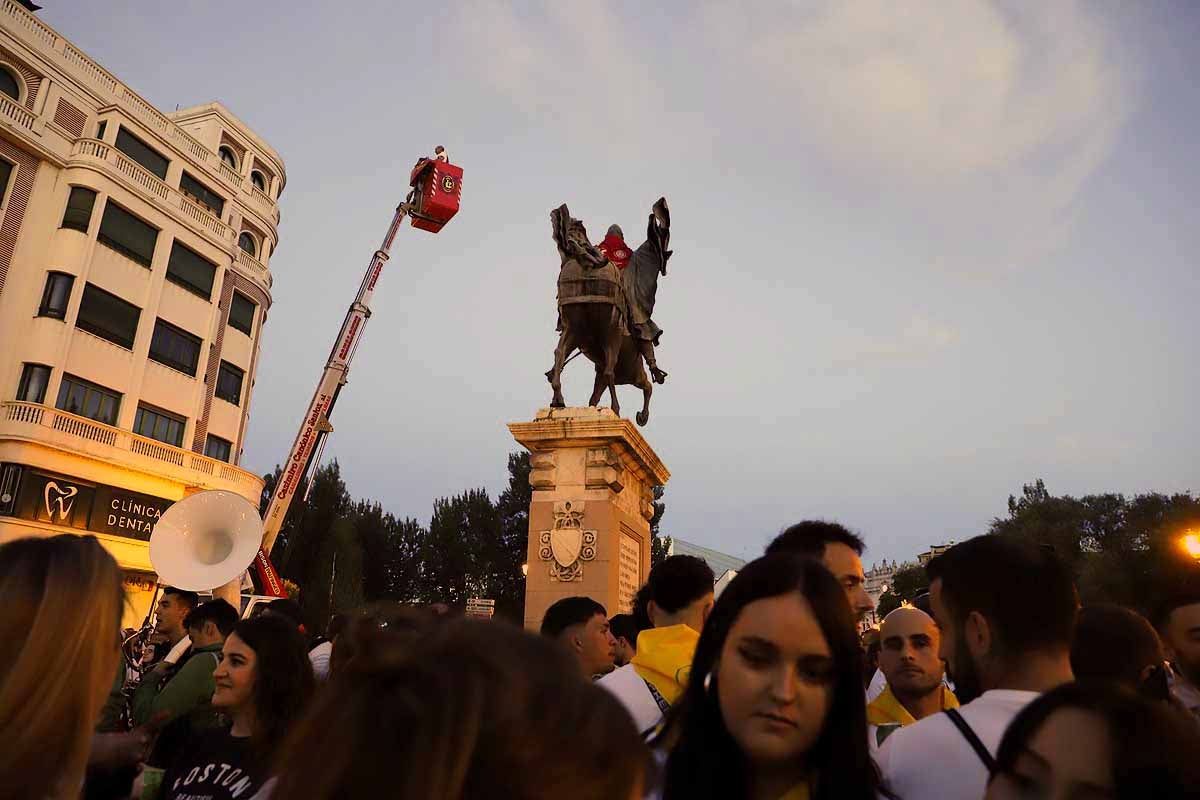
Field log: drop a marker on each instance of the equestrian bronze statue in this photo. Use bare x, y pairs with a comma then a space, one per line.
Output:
606, 304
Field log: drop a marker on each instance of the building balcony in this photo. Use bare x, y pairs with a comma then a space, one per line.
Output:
114, 163
16, 114
51, 427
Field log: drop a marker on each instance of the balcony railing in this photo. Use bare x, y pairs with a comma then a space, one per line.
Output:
254, 266
16, 113
30, 420
25, 24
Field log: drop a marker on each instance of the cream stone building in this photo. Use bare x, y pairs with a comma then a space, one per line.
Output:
134, 285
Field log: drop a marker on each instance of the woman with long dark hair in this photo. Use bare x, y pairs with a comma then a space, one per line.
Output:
264, 682
1098, 740
774, 709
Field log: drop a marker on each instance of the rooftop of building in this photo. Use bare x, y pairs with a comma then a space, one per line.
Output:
718, 561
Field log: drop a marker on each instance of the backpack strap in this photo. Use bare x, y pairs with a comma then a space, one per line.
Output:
972, 738
663, 705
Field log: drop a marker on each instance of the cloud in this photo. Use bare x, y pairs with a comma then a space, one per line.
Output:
920, 338
980, 121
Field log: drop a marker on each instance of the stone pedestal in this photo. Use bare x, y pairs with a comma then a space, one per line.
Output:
589, 522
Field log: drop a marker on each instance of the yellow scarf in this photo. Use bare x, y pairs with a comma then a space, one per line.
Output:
887, 710
664, 658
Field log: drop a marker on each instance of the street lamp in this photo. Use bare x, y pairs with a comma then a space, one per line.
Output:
1191, 543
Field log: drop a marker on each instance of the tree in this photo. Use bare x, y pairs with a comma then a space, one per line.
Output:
307, 554
907, 584
659, 545
1121, 550
459, 554
508, 580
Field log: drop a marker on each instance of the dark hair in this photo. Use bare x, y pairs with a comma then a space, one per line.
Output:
218, 612
1114, 644
283, 678
641, 608
567, 612
808, 538
705, 761
288, 609
678, 581
1023, 590
385, 624
1184, 594
189, 599
474, 709
625, 626
1155, 750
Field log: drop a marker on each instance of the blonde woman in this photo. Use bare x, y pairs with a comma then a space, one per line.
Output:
61, 602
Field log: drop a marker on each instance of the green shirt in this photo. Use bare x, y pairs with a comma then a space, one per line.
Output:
189, 689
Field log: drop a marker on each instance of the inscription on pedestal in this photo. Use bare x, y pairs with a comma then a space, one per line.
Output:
629, 575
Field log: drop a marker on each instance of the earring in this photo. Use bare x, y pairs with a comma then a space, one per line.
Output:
708, 683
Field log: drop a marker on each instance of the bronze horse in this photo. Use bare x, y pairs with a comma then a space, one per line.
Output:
594, 307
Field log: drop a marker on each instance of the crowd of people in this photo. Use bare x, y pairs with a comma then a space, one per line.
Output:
995, 684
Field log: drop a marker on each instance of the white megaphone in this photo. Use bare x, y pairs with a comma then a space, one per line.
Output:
205, 541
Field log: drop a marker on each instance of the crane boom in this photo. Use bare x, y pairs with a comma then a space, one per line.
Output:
315, 425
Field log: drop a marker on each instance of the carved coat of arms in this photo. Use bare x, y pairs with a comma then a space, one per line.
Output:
568, 545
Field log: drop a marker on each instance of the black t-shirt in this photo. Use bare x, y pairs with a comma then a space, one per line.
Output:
214, 766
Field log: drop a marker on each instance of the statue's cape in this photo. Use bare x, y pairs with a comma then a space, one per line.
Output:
640, 278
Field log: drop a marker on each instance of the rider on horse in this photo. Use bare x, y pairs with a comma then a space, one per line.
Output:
639, 280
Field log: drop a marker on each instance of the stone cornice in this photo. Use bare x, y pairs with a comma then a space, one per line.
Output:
578, 427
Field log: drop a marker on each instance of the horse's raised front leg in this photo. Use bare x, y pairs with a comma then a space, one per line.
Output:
566, 344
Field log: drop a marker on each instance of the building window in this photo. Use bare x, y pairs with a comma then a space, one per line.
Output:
229, 383
228, 156
78, 215
127, 234
258, 180
56, 295
175, 347
218, 448
9, 84
155, 424
108, 316
241, 313
101, 128
6, 170
202, 194
141, 152
34, 380
77, 396
191, 271
248, 243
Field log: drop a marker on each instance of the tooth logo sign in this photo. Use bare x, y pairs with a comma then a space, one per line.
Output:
63, 498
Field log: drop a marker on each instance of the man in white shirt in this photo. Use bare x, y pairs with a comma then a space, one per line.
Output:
1006, 609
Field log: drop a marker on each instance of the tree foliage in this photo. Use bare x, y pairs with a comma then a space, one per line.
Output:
659, 545
1121, 549
907, 583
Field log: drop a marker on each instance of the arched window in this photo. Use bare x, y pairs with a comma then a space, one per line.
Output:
258, 180
247, 242
228, 156
9, 84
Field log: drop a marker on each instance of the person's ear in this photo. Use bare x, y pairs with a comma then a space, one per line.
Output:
1147, 671
978, 634
211, 630
653, 612
577, 642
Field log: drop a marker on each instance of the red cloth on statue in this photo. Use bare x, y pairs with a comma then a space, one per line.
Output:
615, 250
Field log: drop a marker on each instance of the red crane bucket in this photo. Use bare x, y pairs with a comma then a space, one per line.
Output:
437, 189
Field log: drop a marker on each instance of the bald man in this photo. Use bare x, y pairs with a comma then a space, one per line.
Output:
908, 658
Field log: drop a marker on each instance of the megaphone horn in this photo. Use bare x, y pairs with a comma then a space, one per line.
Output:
205, 540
